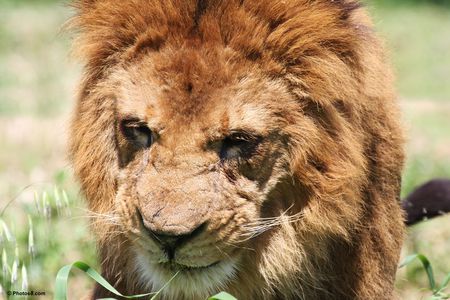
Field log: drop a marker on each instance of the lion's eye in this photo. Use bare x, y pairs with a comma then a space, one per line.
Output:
238, 145
137, 133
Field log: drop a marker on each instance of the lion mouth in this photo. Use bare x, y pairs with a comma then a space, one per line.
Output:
194, 276
174, 266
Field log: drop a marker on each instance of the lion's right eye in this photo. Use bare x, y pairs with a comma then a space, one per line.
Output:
137, 133
239, 144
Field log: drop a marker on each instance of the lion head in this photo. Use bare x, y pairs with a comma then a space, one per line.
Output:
248, 146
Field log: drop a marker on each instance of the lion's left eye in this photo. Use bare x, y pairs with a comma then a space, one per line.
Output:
137, 133
238, 145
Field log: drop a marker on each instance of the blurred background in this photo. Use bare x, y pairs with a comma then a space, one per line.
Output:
43, 223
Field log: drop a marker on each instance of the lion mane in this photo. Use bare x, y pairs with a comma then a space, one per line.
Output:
250, 146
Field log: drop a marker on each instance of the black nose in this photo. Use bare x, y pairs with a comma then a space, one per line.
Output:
168, 240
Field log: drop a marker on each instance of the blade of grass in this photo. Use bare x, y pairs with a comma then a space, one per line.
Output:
14, 271
426, 265
9, 236
5, 267
407, 260
46, 207
24, 278
66, 203
445, 282
36, 202
14, 199
58, 202
164, 286
31, 246
157, 293
63, 276
222, 296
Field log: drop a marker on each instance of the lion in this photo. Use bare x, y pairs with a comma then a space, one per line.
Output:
249, 146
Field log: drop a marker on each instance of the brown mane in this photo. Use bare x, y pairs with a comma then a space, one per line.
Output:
336, 118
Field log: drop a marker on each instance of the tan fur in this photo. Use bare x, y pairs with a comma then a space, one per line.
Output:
312, 213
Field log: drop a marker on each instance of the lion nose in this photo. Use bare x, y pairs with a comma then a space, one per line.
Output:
169, 243
169, 240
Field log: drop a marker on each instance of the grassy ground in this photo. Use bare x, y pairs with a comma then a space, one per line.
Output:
419, 38
37, 81
36, 87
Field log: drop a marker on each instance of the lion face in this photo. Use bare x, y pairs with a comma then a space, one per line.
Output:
202, 152
248, 146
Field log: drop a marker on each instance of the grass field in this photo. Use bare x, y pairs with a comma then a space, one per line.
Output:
37, 81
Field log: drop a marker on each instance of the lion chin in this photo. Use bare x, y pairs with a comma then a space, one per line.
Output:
252, 147
195, 282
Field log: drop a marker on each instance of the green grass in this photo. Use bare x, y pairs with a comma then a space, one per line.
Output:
427, 126
419, 38
36, 76
439, 290
47, 218
19, 3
